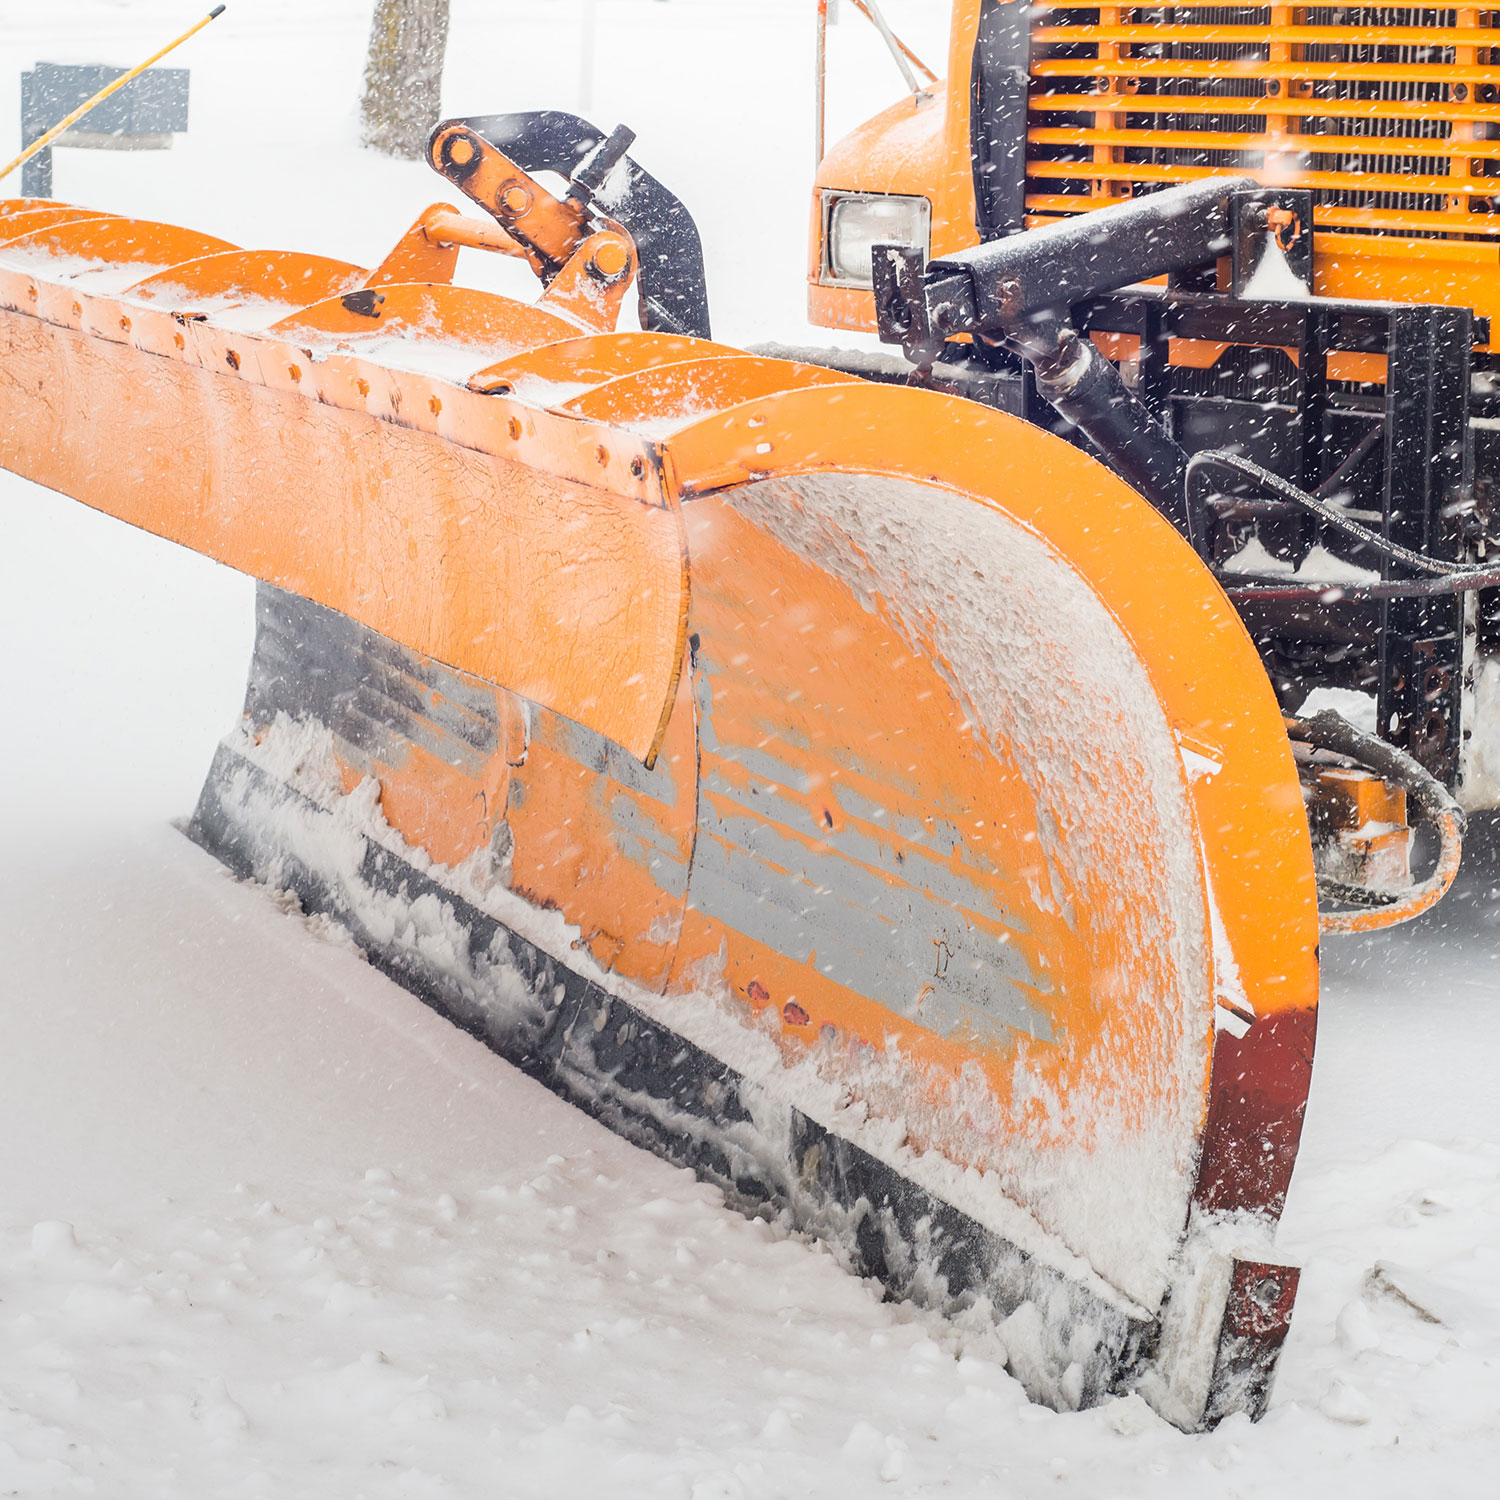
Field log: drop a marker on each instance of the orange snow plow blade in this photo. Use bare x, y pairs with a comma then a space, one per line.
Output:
853, 793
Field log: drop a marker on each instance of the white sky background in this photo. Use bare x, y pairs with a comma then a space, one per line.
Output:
719, 92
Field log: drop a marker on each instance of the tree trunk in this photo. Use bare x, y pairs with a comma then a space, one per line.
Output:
404, 75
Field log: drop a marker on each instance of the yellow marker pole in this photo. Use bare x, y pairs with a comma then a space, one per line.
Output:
44, 141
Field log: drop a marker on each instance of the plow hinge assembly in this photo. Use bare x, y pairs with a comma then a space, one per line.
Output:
672, 287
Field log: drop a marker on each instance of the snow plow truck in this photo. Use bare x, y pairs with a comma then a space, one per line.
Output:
880, 780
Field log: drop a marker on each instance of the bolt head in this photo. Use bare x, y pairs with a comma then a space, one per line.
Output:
1266, 1291
609, 259
515, 200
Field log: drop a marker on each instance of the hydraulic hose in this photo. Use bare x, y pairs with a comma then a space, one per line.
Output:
1085, 388
1284, 489
1390, 588
1432, 802
1443, 577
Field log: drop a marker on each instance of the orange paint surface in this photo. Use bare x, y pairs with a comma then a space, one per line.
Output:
471, 558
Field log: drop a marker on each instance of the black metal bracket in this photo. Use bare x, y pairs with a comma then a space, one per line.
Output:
1046, 271
998, 116
1415, 489
1271, 243
672, 284
1428, 469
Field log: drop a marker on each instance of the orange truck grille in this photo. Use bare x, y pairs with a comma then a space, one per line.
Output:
1389, 114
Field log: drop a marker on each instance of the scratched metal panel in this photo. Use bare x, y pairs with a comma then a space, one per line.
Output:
902, 929
642, 807
311, 662
658, 1089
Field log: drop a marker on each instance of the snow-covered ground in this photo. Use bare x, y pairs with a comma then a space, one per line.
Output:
269, 1226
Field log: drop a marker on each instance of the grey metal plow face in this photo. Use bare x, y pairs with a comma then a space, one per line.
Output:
510, 975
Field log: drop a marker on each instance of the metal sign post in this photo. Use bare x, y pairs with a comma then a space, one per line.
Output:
142, 115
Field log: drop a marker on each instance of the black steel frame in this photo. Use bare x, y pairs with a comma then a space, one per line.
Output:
1419, 495
1410, 651
1028, 303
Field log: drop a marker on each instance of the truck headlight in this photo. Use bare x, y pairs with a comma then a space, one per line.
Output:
854, 223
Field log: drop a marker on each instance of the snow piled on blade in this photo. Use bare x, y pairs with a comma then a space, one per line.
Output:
1479, 780
859, 1095
1003, 615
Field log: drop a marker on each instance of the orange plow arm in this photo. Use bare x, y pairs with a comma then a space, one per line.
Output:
854, 793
